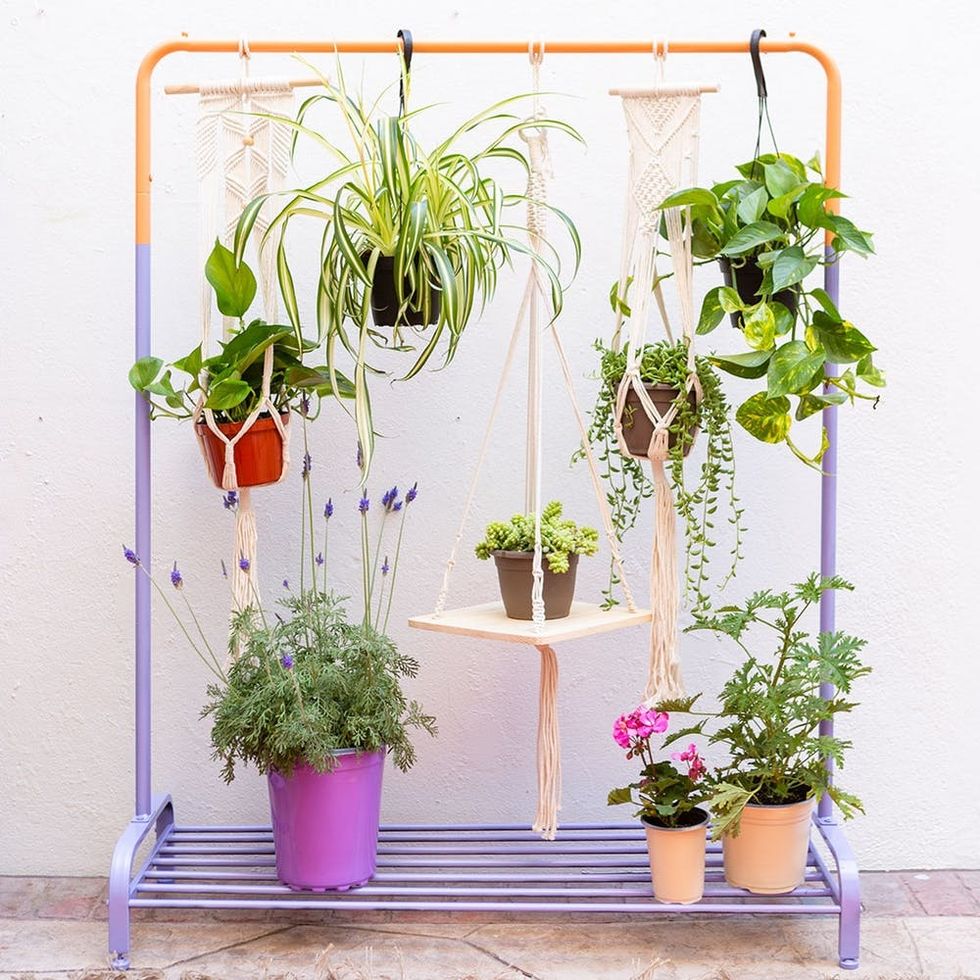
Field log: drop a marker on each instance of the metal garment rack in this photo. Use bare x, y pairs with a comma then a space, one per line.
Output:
493, 868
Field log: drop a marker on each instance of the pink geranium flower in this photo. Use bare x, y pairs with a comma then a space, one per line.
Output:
621, 731
695, 764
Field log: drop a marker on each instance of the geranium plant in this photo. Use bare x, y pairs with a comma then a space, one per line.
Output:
664, 795
768, 226
431, 218
560, 537
771, 707
696, 501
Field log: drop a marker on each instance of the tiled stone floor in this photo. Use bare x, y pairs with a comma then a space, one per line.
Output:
917, 926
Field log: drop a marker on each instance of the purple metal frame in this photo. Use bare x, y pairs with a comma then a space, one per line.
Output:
489, 868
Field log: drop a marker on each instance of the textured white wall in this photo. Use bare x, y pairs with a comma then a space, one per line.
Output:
908, 471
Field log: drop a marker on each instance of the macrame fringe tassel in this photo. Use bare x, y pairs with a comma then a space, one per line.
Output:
549, 748
229, 478
664, 678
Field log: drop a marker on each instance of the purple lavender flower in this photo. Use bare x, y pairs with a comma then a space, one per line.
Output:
413, 492
385, 568
390, 498
319, 558
307, 465
364, 505
130, 556
176, 579
328, 509
230, 500
224, 569
304, 405
397, 505
287, 661
244, 564
285, 583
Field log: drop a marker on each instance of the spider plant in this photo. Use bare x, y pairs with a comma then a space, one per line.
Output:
440, 219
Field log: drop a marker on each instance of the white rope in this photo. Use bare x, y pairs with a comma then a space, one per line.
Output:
549, 748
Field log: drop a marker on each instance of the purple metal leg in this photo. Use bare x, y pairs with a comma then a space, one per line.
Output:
849, 935
143, 776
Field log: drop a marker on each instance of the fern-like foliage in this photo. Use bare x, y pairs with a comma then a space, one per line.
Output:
772, 709
309, 684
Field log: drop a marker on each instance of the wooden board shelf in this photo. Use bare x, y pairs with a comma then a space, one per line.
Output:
489, 622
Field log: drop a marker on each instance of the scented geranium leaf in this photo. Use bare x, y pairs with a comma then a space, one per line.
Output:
679, 705
751, 237
759, 327
842, 341
726, 805
792, 266
144, 372
812, 402
234, 285
622, 795
766, 418
792, 368
712, 312
868, 373
752, 364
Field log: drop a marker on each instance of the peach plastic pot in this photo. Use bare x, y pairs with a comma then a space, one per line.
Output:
768, 857
258, 454
637, 427
677, 861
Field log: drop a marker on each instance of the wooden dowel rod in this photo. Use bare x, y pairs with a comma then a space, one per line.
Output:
196, 89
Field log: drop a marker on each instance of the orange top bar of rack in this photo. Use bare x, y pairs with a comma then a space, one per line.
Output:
157, 54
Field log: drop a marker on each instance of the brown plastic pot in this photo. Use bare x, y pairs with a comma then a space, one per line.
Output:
384, 299
515, 574
747, 281
677, 859
258, 454
638, 429
768, 857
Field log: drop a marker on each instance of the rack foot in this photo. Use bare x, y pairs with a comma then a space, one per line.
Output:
120, 962
849, 936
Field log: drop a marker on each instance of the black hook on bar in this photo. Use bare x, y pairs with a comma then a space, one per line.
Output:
760, 78
405, 36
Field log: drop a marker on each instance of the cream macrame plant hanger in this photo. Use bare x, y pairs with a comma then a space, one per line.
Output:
241, 154
662, 123
531, 315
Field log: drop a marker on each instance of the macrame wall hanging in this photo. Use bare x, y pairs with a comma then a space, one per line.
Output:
532, 317
662, 123
241, 154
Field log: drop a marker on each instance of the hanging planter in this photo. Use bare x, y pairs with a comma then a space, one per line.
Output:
746, 278
325, 824
638, 427
512, 548
258, 453
422, 306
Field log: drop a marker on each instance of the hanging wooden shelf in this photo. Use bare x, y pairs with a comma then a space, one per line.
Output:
489, 622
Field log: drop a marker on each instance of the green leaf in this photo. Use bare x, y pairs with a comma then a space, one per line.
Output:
842, 341
144, 372
810, 210
759, 325
191, 363
779, 206
784, 318
848, 236
792, 368
867, 372
691, 196
712, 312
753, 206
228, 394
729, 299
814, 164
792, 266
780, 178
751, 237
815, 402
234, 285
766, 418
822, 297
752, 364
622, 795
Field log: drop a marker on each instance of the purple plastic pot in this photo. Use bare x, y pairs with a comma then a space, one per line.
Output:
325, 824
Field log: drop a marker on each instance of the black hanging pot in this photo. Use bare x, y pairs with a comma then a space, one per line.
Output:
384, 298
746, 279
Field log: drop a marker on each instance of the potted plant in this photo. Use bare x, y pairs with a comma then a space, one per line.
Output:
771, 710
767, 229
411, 234
233, 378
664, 371
669, 803
314, 700
511, 545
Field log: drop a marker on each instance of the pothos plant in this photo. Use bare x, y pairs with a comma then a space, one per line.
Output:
771, 708
433, 210
234, 374
769, 226
697, 502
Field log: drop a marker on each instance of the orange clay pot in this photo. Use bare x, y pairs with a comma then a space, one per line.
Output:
258, 454
768, 857
677, 860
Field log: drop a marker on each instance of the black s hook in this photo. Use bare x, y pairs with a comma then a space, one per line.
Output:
405, 36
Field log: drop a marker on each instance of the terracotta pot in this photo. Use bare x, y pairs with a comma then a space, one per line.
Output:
747, 280
638, 429
258, 454
677, 860
384, 299
514, 572
768, 857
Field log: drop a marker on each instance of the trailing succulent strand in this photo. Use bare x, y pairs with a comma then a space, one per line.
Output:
696, 503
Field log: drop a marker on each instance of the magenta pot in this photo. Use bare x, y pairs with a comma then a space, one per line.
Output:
325, 824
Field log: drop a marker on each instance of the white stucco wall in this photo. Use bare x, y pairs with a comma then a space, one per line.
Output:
908, 471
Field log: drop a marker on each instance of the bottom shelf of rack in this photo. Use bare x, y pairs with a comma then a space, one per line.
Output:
491, 868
